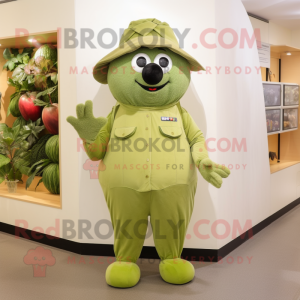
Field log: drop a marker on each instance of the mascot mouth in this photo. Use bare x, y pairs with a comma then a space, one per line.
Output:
152, 89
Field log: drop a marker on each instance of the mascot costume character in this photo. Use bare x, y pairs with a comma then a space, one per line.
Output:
149, 147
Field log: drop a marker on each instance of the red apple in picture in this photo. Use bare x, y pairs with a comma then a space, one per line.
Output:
27, 108
50, 118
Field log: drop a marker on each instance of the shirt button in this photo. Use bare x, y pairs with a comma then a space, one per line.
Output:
172, 133
147, 176
146, 128
147, 159
147, 116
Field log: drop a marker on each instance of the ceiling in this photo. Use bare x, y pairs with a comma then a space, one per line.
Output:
285, 13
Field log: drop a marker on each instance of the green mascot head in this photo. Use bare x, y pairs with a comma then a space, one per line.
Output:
148, 69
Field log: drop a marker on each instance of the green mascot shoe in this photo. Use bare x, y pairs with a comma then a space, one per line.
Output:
122, 274
176, 271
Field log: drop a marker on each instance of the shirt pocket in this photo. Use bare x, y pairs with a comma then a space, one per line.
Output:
123, 133
170, 131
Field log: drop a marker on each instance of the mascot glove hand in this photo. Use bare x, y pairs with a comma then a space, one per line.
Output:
212, 172
86, 124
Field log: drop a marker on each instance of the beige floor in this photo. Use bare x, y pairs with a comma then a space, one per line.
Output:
273, 274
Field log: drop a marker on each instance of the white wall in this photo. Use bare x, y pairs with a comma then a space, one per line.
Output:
240, 114
285, 187
229, 106
263, 27
275, 34
296, 38
279, 35
201, 93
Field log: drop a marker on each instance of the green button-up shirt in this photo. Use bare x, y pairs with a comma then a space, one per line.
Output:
148, 148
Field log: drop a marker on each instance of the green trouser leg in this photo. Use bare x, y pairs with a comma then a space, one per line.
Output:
170, 212
129, 212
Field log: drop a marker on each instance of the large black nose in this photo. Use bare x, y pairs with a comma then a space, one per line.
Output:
152, 74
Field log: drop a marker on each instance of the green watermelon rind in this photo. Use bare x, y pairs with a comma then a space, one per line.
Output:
46, 52
51, 178
52, 148
14, 107
38, 150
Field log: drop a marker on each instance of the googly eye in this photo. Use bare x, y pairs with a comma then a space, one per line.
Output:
139, 61
164, 61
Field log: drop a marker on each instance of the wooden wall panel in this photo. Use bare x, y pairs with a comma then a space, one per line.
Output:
290, 73
263, 72
275, 69
273, 146
6, 91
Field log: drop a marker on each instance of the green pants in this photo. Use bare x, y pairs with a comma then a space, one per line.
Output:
169, 209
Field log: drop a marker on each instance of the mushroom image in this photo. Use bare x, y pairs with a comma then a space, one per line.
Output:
92, 166
39, 258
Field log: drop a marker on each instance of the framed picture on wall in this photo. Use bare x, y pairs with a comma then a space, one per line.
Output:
290, 118
290, 95
272, 94
273, 120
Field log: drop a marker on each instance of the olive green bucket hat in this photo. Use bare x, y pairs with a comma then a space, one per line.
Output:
150, 33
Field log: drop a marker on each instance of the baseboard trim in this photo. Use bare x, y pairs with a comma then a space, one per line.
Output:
225, 250
208, 255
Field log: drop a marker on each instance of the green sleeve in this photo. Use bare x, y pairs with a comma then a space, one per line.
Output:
96, 149
195, 138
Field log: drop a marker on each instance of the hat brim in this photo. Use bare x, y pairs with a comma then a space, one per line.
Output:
101, 68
